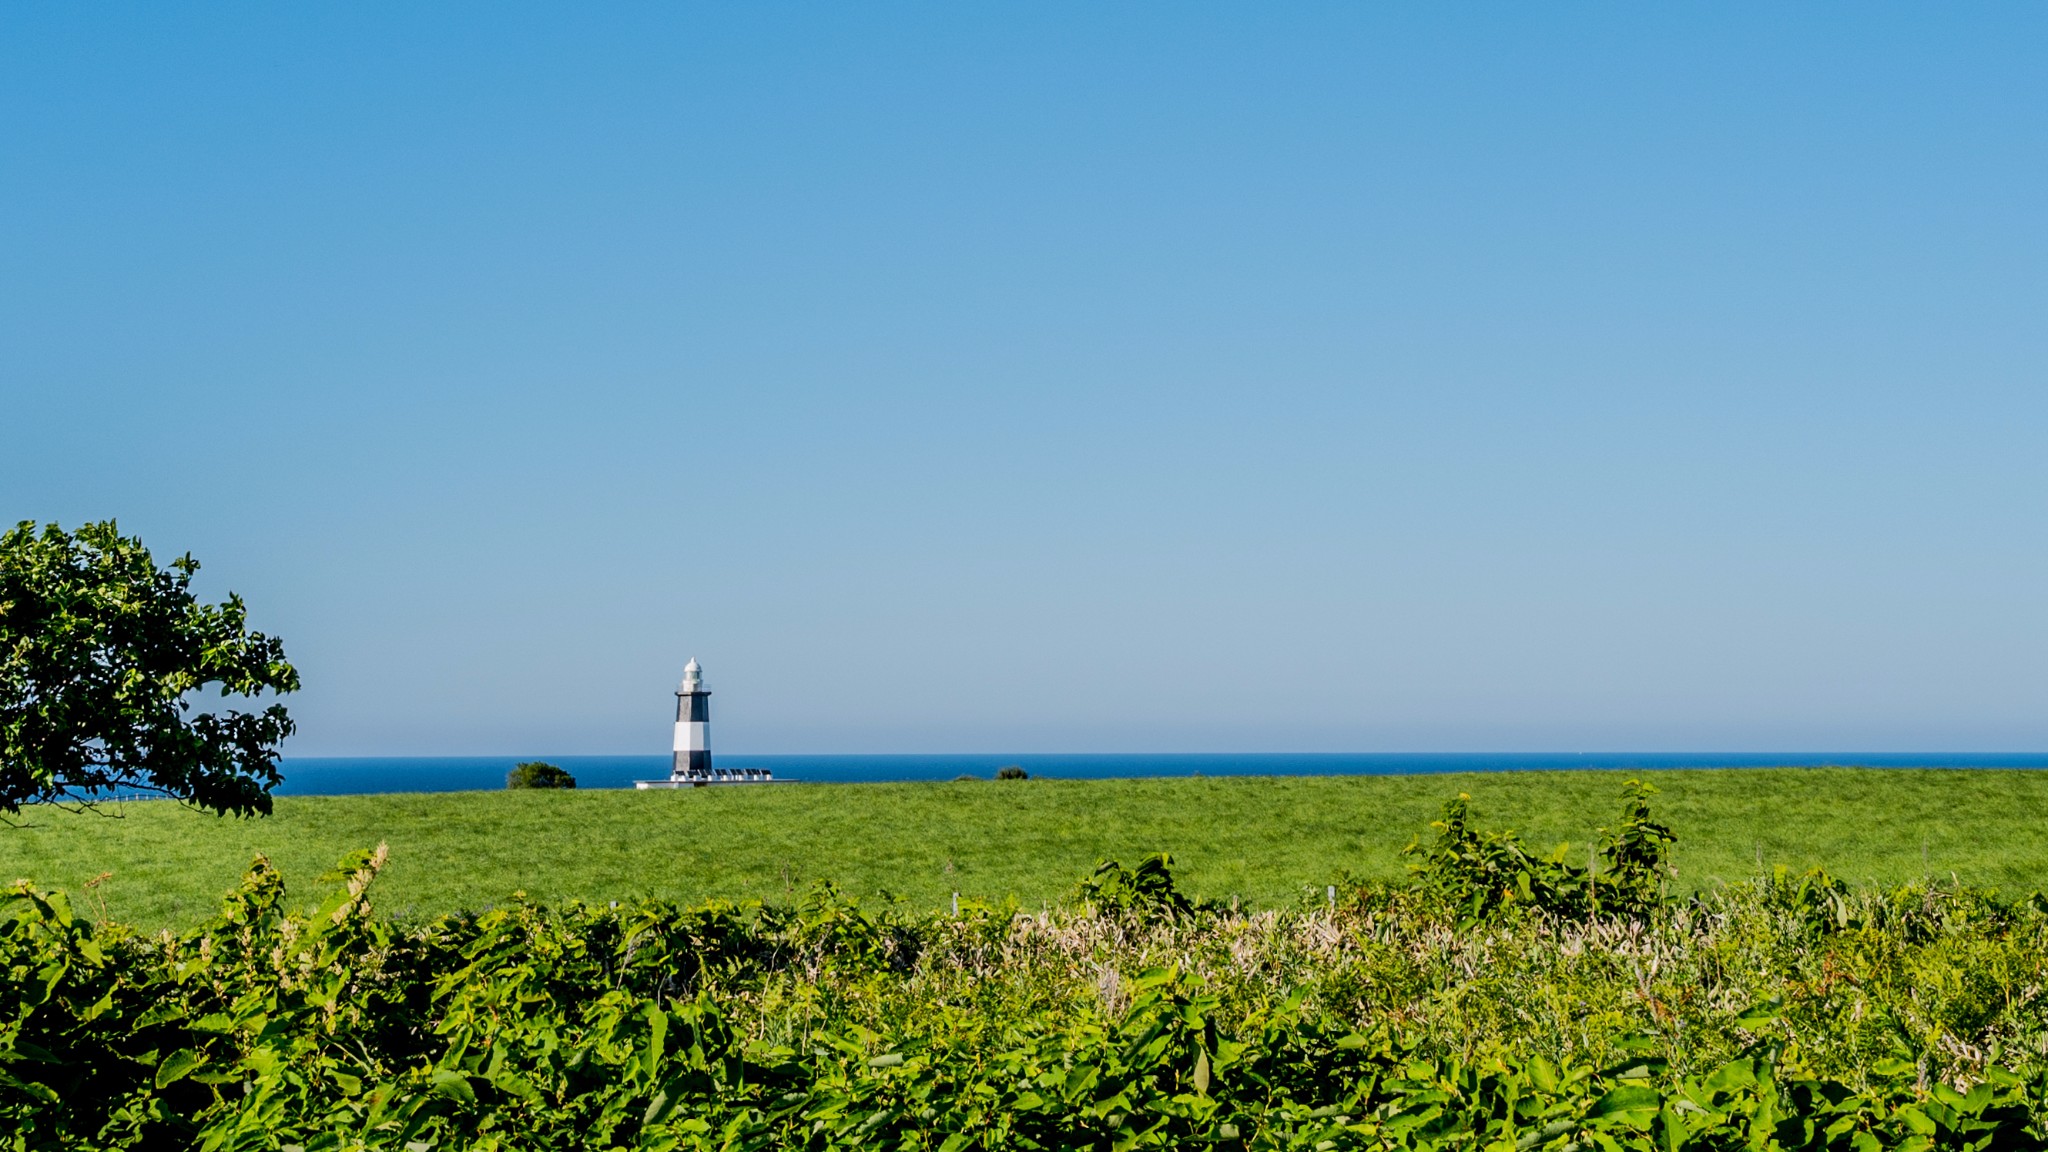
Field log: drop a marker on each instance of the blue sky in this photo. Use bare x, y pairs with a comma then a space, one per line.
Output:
1059, 377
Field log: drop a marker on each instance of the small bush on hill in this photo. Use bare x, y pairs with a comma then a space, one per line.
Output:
539, 774
1012, 772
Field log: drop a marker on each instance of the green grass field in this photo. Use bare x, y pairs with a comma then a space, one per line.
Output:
1266, 840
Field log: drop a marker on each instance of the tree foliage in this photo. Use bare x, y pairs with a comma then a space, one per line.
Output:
104, 658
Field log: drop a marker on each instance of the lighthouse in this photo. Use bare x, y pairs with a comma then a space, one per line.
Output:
690, 766
693, 727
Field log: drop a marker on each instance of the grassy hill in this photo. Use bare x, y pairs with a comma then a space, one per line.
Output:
1265, 840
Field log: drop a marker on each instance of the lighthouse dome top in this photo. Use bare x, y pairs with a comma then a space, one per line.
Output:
693, 676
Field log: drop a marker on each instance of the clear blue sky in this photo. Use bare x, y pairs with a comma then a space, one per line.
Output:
1059, 377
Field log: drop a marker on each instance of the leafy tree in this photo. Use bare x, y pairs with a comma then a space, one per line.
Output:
539, 774
103, 655
1012, 772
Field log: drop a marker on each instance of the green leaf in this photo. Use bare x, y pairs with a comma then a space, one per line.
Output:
657, 1040
1920, 1122
38, 1090
1759, 1014
454, 1086
1626, 1098
174, 1067
1734, 1075
656, 1108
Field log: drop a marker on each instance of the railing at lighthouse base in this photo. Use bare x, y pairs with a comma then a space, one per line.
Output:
711, 777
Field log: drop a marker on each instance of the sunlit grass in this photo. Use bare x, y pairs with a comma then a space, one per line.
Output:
1264, 840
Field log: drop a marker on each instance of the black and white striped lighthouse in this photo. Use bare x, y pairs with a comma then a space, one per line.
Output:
691, 765
693, 727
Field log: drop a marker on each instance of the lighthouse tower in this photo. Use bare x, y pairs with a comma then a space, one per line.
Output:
691, 767
693, 727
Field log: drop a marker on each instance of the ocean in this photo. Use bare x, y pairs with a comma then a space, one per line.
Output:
356, 775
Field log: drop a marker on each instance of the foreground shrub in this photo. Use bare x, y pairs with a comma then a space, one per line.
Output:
1788, 1012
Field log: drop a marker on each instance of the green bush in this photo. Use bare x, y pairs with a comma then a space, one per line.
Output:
1145, 891
1483, 873
1012, 772
539, 774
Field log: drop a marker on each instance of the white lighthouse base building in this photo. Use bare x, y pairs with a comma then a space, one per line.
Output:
691, 765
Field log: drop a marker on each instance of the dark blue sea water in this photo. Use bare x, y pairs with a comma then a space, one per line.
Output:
346, 775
